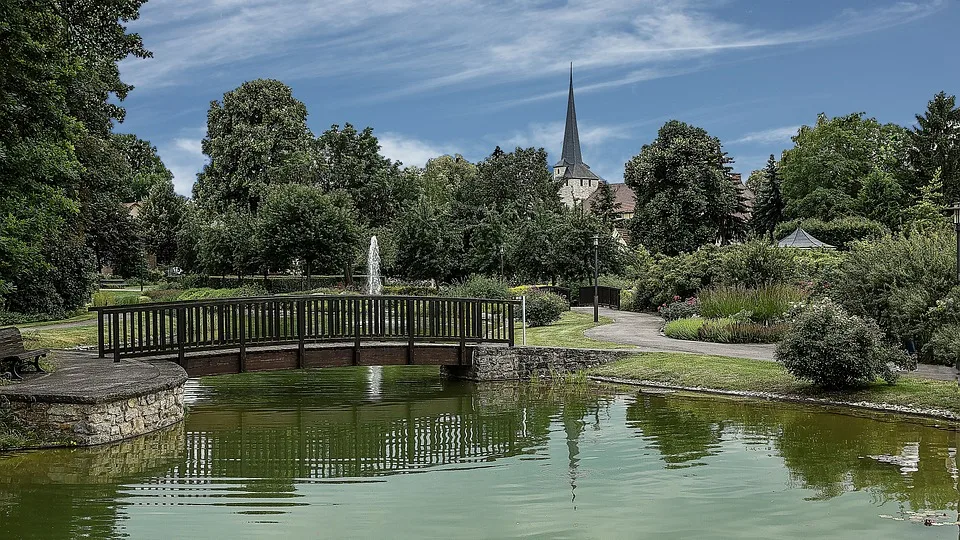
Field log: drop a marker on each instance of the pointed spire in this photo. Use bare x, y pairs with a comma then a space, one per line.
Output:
571, 137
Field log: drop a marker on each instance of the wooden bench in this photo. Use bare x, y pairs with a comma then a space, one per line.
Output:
14, 355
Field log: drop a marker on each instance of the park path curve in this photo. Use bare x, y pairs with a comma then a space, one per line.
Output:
642, 330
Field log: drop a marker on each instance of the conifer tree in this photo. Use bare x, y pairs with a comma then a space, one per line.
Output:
606, 207
935, 145
768, 207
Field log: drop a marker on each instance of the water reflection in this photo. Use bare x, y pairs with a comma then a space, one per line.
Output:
253, 445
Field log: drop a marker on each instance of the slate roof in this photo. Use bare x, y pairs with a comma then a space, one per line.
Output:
801, 239
570, 155
622, 194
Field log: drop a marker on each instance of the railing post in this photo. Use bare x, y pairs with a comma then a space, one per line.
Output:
301, 330
181, 334
115, 332
242, 308
100, 344
410, 330
462, 329
356, 330
510, 324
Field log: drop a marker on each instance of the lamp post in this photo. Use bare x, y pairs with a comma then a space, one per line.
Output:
955, 209
596, 278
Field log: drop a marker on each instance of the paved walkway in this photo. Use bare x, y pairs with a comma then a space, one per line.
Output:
82, 377
642, 330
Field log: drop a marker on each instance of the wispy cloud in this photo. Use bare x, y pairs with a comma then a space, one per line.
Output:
435, 44
410, 150
184, 157
767, 136
549, 135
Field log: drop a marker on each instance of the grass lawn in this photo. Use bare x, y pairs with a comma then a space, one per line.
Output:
568, 332
60, 338
85, 316
721, 373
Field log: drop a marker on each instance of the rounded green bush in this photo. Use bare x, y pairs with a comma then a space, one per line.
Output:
833, 349
544, 308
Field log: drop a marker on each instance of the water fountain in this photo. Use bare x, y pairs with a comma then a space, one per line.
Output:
374, 283
374, 287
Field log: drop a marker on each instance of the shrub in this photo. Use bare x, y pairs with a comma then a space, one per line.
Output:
684, 328
898, 281
544, 308
764, 304
945, 344
833, 349
841, 232
478, 286
756, 264
680, 309
206, 293
661, 278
163, 295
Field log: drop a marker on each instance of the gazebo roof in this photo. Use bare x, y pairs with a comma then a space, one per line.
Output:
801, 239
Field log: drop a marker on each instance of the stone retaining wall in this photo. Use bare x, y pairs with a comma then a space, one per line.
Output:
518, 363
97, 423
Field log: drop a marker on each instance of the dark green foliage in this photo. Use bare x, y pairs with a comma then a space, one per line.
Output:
427, 246
685, 197
478, 286
935, 145
840, 233
256, 136
544, 308
824, 173
756, 264
605, 207
768, 206
882, 199
350, 161
160, 217
725, 330
227, 244
897, 281
303, 223
833, 349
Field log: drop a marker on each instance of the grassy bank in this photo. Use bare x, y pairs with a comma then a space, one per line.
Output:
59, 338
568, 332
737, 374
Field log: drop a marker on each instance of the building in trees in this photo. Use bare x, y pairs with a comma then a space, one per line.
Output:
578, 181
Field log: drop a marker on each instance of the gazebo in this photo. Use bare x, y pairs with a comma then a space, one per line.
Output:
801, 239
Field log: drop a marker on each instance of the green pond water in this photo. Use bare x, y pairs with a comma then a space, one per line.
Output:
401, 453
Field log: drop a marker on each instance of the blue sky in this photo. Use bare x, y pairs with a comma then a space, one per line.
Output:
445, 76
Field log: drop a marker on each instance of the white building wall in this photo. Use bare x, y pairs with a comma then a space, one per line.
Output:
577, 189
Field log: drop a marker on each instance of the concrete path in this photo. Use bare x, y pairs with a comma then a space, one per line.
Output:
642, 330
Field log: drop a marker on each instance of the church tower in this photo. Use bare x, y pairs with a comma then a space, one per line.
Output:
579, 182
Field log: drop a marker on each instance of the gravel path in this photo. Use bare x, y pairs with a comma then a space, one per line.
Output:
642, 330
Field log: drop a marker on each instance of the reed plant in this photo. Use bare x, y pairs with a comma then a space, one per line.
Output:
763, 305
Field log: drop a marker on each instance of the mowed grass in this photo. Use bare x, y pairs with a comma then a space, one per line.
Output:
739, 374
59, 338
568, 332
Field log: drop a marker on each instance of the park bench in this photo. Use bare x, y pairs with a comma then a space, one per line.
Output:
14, 355
112, 283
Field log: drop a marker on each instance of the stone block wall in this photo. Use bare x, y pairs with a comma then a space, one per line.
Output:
87, 424
519, 363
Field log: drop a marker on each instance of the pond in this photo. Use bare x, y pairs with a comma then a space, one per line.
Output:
401, 453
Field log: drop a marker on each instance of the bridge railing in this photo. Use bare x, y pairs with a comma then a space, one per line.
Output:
167, 328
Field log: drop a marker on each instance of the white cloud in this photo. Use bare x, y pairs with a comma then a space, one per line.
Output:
432, 44
184, 157
409, 150
768, 136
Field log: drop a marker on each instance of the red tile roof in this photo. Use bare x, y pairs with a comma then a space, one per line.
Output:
622, 195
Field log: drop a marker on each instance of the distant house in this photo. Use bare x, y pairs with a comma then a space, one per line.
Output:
133, 208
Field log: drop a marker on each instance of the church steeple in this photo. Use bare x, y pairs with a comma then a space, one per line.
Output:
571, 137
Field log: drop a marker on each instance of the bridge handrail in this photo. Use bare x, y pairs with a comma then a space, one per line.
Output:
167, 328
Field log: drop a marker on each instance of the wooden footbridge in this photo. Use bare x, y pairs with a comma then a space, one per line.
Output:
287, 332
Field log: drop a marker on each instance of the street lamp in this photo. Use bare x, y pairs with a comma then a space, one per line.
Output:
596, 277
956, 223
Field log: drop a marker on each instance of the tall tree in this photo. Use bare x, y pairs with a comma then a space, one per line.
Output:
427, 246
605, 207
350, 160
303, 223
160, 217
256, 136
823, 174
935, 144
684, 194
768, 205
